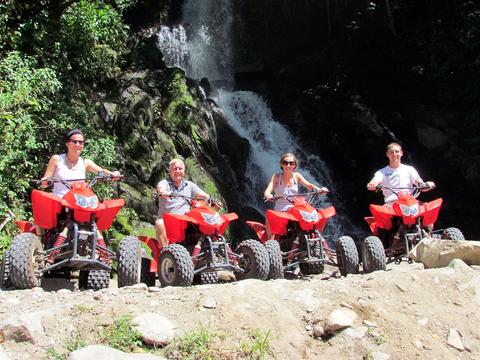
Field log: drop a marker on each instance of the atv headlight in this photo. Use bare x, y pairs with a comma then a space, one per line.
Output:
309, 216
86, 202
212, 219
409, 210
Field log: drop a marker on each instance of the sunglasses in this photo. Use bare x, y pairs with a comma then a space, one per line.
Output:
291, 163
77, 142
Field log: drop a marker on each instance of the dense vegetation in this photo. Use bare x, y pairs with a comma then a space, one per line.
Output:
53, 54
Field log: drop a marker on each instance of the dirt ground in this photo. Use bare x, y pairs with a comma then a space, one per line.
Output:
405, 312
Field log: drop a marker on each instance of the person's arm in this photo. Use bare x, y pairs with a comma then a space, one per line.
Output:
51, 167
162, 188
418, 181
299, 177
197, 192
267, 194
91, 167
376, 180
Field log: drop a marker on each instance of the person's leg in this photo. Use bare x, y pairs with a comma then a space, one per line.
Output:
161, 233
270, 236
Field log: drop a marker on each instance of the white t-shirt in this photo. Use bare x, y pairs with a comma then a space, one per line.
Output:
63, 172
402, 177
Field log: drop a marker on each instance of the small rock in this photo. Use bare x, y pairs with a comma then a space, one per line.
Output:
154, 289
318, 331
459, 265
401, 288
356, 333
12, 301
309, 327
377, 355
16, 332
209, 302
415, 277
136, 287
454, 339
418, 344
97, 296
370, 324
226, 276
154, 328
154, 303
101, 352
346, 305
340, 319
436, 280
64, 291
422, 322
458, 303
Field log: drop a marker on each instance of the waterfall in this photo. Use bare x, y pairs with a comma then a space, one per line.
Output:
202, 47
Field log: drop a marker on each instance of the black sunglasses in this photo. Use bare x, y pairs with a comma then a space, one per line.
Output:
289, 163
79, 142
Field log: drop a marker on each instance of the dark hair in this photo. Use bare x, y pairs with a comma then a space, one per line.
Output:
72, 132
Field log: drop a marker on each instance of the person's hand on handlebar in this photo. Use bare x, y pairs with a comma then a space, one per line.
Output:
267, 197
322, 190
427, 186
373, 186
45, 182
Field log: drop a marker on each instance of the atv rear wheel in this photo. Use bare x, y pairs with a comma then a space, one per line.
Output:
175, 266
5, 281
452, 233
275, 258
129, 261
347, 256
98, 279
209, 277
26, 258
373, 254
254, 260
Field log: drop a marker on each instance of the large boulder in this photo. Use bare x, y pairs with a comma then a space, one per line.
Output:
434, 253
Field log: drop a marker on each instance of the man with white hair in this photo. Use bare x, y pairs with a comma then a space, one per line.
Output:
174, 185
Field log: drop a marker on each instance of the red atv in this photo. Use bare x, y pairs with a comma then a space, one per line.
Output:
39, 250
398, 228
299, 241
197, 249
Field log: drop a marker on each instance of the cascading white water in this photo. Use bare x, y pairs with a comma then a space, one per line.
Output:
206, 37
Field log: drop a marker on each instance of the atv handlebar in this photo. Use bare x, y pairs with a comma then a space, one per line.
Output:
101, 177
189, 199
309, 196
415, 189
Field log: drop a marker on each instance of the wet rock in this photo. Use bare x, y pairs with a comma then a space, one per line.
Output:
101, 352
454, 339
154, 328
340, 319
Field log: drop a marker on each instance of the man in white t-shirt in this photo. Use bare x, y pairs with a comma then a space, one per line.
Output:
396, 175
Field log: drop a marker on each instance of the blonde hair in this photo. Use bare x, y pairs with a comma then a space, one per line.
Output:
176, 161
392, 144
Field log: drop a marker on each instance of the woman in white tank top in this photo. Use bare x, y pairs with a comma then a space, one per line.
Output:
286, 184
70, 166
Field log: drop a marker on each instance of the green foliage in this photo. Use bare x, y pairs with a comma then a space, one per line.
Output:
122, 335
75, 342
195, 344
258, 346
181, 103
93, 38
25, 98
55, 355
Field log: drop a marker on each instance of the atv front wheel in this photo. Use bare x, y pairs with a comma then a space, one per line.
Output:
347, 256
5, 281
275, 259
129, 261
452, 233
175, 266
26, 259
254, 260
373, 254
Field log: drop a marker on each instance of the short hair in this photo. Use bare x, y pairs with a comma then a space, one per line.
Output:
175, 161
72, 132
392, 144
